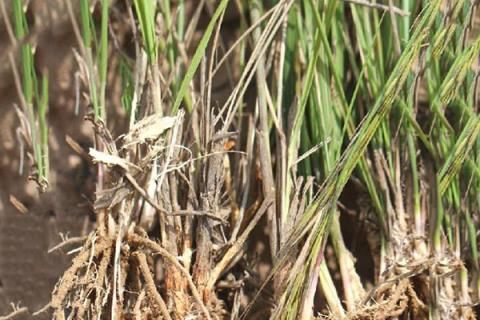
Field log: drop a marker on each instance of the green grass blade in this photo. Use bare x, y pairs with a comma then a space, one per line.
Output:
146, 16
198, 55
319, 212
103, 58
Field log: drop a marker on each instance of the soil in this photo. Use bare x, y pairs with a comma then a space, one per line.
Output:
28, 275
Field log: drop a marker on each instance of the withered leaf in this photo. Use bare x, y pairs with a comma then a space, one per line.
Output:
149, 128
111, 160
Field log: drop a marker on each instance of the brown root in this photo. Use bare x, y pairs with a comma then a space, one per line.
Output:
391, 301
151, 289
70, 276
86, 287
138, 240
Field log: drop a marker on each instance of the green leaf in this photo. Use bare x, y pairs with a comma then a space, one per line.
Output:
197, 57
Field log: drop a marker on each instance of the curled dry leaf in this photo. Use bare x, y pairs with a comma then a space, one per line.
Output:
111, 160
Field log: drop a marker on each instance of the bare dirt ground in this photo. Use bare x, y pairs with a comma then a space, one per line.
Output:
29, 275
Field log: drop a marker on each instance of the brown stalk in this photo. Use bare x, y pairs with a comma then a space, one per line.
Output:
210, 182
173, 279
134, 238
209, 199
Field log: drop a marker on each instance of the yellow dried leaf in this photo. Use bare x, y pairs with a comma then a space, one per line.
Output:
110, 160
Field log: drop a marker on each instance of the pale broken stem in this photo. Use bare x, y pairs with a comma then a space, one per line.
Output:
159, 181
77, 92
69, 241
140, 70
18, 204
311, 288
15, 313
77, 148
150, 285
102, 213
91, 256
192, 27
378, 6
42, 310
167, 255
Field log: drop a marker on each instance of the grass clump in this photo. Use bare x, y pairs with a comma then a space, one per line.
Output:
33, 91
